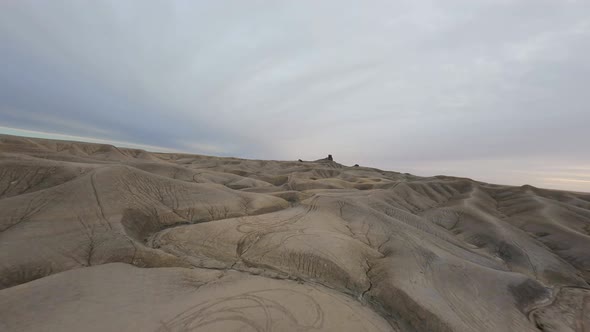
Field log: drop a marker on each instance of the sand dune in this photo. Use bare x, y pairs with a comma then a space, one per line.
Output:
99, 238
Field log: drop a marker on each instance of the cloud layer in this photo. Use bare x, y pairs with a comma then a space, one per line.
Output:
495, 90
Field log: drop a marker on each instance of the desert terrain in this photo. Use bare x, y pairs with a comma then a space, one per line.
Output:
95, 237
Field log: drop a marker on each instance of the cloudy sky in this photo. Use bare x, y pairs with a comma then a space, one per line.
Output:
496, 90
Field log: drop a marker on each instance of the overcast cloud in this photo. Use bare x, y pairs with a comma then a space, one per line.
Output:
495, 90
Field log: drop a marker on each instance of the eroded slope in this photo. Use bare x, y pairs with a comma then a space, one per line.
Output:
385, 250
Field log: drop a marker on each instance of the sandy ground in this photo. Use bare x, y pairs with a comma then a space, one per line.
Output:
99, 238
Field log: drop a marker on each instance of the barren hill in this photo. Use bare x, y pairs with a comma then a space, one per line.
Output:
99, 238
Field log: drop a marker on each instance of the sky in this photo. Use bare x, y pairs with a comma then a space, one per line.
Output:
494, 90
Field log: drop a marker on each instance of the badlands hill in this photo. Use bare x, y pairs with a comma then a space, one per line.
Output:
99, 238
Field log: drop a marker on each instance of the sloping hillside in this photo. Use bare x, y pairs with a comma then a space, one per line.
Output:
99, 238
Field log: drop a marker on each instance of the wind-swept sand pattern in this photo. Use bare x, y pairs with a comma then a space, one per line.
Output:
95, 237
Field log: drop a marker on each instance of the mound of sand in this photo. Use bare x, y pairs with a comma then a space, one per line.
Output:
99, 238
